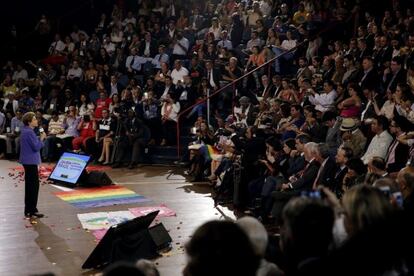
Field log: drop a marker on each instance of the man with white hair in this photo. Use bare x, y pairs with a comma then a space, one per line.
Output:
259, 238
300, 182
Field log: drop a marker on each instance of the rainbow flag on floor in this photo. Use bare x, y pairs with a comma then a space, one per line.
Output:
101, 196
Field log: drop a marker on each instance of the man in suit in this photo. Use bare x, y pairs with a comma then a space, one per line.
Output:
328, 66
277, 86
342, 156
245, 114
368, 76
333, 135
213, 75
297, 159
368, 110
327, 169
196, 21
410, 55
303, 70
397, 154
267, 88
394, 75
384, 55
363, 50
168, 87
296, 185
148, 47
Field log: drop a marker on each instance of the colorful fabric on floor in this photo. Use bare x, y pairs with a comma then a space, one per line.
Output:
143, 211
101, 196
100, 222
103, 220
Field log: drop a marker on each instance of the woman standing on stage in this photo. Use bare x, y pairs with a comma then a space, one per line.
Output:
30, 146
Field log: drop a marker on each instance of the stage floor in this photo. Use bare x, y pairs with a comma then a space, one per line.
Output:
58, 243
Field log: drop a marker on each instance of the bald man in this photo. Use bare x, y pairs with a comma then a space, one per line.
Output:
405, 180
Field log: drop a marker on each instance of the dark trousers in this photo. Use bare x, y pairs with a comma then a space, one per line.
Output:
169, 132
125, 145
31, 188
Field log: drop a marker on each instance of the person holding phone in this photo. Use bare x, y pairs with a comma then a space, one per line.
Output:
30, 146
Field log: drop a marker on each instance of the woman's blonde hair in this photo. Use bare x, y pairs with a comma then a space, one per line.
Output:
364, 206
28, 118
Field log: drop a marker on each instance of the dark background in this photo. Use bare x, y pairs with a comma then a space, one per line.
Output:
25, 14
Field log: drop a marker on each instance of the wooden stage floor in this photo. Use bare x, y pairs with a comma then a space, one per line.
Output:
58, 244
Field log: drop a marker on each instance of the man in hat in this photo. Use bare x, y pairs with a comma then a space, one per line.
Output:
352, 137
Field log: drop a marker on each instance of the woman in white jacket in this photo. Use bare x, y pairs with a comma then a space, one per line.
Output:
169, 117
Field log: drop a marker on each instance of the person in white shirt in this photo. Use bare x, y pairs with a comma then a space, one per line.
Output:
135, 62
254, 41
179, 72
225, 42
75, 72
10, 103
57, 46
215, 28
180, 46
20, 73
169, 117
160, 57
287, 45
266, 7
381, 141
130, 19
109, 46
324, 101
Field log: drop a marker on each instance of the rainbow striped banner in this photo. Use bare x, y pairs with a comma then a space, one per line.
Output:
100, 197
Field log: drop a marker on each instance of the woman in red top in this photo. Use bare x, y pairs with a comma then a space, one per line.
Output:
102, 103
351, 107
87, 128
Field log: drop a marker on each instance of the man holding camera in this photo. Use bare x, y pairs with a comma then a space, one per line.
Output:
133, 134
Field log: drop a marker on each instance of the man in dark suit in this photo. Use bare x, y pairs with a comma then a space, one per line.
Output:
368, 110
196, 21
342, 156
398, 152
394, 75
213, 75
267, 88
297, 159
384, 54
277, 86
327, 169
410, 55
363, 50
148, 46
328, 68
296, 185
368, 77
168, 87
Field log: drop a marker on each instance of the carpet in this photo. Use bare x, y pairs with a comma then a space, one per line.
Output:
145, 210
103, 220
101, 196
99, 223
